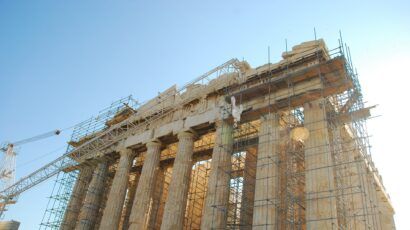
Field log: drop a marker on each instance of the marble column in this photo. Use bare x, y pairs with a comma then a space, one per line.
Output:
157, 199
77, 196
159, 213
356, 199
132, 188
321, 211
248, 193
104, 198
112, 212
217, 196
175, 206
141, 207
265, 210
91, 206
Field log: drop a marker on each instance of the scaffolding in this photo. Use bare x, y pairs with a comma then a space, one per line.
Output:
64, 182
275, 141
196, 194
351, 168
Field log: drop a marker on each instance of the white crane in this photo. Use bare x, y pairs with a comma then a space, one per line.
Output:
7, 167
8, 161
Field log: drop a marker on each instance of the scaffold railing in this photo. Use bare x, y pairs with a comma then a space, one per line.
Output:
64, 182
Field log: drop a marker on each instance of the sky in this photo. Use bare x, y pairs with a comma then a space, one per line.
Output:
63, 61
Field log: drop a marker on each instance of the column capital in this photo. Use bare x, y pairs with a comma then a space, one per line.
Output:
102, 160
85, 167
153, 143
219, 123
189, 133
125, 151
175, 206
314, 104
112, 212
270, 116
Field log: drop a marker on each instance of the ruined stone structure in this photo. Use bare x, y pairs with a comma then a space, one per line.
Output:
298, 158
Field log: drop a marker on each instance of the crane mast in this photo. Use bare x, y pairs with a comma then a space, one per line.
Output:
7, 167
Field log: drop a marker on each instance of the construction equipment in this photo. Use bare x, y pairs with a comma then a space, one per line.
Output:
8, 163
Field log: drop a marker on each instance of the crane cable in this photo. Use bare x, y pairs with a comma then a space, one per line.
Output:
20, 165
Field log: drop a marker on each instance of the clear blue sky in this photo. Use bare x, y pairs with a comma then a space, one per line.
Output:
63, 61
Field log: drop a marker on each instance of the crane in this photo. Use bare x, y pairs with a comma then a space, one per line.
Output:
8, 162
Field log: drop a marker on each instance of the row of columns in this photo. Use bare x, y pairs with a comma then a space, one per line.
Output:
93, 198
90, 203
320, 190
77, 195
321, 212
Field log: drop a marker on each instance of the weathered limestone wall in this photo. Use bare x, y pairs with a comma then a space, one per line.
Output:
369, 206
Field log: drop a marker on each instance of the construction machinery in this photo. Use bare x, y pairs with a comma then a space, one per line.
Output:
8, 164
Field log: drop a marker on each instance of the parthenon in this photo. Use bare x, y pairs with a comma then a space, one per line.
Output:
280, 146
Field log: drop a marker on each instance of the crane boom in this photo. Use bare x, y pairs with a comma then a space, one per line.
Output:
38, 137
31, 139
105, 139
